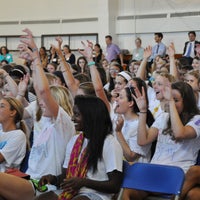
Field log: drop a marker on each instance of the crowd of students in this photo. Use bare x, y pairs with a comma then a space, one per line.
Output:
78, 122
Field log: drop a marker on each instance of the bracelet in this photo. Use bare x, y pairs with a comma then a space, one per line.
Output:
143, 112
91, 63
34, 49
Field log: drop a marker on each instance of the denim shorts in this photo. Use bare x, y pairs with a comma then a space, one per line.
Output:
91, 196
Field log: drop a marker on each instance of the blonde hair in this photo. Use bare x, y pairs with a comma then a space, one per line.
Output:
19, 108
168, 76
194, 73
63, 97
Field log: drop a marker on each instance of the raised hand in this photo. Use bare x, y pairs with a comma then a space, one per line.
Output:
28, 48
167, 91
140, 99
119, 123
57, 47
88, 50
28, 39
171, 50
25, 52
147, 52
23, 84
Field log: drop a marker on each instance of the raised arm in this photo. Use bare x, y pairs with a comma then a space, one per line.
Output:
96, 80
127, 152
173, 69
65, 68
22, 88
141, 73
39, 78
145, 136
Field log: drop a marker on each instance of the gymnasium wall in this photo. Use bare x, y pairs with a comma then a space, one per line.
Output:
124, 19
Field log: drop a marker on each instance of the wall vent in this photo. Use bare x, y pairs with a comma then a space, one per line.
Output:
55, 21
9, 22
152, 16
185, 14
80, 20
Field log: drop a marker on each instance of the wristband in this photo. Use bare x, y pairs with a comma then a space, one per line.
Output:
143, 112
91, 63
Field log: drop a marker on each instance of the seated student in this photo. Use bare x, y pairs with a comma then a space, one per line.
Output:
13, 141
97, 174
51, 114
177, 132
127, 124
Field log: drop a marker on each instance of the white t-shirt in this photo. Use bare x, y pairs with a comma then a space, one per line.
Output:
130, 131
179, 153
111, 160
13, 148
49, 143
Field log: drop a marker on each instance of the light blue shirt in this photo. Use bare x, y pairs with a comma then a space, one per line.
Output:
158, 49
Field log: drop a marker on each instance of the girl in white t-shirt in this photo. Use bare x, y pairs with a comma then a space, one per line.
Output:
13, 141
127, 124
177, 132
53, 128
51, 115
101, 175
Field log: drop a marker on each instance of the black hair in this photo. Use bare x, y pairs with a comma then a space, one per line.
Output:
111, 82
7, 51
59, 74
4, 61
140, 84
67, 46
108, 36
78, 66
192, 32
97, 126
160, 35
190, 108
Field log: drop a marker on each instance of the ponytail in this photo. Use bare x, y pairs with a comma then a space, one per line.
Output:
24, 128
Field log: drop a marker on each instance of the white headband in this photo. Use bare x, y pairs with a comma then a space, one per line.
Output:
125, 75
